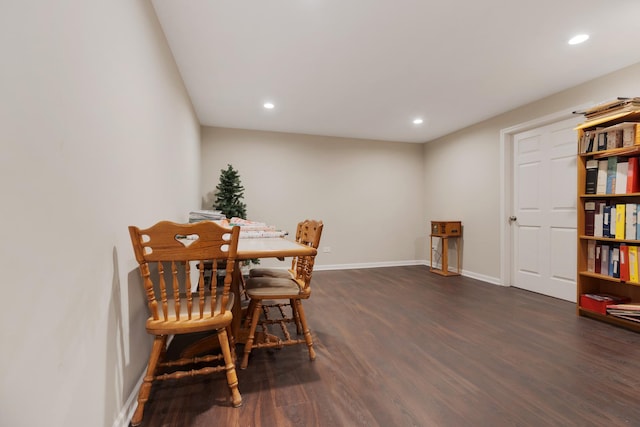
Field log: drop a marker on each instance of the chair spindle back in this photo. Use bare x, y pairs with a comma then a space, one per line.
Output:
308, 233
165, 253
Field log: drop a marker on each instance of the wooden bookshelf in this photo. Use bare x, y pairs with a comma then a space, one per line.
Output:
590, 278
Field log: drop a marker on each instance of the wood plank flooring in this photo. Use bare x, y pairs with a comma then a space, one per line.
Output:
400, 346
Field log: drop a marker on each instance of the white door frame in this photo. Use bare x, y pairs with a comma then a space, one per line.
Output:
506, 183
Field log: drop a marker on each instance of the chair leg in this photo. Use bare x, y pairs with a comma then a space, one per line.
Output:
255, 316
232, 378
249, 316
305, 327
243, 288
232, 343
157, 350
296, 316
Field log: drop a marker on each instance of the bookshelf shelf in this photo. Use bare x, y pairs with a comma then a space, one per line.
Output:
607, 278
608, 221
610, 196
624, 151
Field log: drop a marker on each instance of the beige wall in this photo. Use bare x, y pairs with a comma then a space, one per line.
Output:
97, 133
360, 184
368, 193
467, 164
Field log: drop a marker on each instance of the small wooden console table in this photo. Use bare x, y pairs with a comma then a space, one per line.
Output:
445, 230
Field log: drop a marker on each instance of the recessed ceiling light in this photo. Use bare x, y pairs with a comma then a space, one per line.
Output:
418, 121
580, 38
268, 105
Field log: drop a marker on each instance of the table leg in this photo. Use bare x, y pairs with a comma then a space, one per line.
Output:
211, 342
236, 282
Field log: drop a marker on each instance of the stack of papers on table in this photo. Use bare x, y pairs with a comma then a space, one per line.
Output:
205, 215
252, 229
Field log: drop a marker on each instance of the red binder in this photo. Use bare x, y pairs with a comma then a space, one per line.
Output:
633, 176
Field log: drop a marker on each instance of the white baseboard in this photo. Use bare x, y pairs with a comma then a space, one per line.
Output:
471, 274
126, 413
367, 265
482, 277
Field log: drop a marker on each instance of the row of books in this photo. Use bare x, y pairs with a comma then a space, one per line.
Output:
616, 221
613, 175
625, 311
612, 305
619, 261
618, 105
611, 137
598, 302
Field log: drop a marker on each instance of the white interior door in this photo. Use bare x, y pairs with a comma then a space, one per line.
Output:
544, 212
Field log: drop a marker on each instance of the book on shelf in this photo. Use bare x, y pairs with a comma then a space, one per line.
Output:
611, 142
588, 142
630, 134
622, 168
618, 105
630, 221
598, 259
633, 264
624, 311
624, 262
614, 262
633, 176
604, 260
606, 221
591, 256
589, 218
620, 135
590, 137
614, 137
620, 221
599, 302
599, 219
592, 177
632, 318
612, 225
602, 140
623, 303
611, 299
612, 166
601, 184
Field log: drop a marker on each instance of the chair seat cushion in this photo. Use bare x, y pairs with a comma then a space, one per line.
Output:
272, 286
270, 272
196, 323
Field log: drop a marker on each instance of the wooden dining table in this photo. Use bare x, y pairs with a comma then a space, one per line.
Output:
249, 248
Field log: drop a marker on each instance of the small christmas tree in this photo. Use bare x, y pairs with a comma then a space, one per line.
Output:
229, 194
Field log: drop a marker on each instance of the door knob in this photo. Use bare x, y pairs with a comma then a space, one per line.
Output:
513, 218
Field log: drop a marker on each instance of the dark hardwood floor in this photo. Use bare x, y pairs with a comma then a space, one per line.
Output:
401, 346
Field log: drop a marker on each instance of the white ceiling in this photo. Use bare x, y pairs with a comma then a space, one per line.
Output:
367, 68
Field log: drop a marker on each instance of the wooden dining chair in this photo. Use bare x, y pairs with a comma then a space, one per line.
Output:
269, 291
166, 252
278, 272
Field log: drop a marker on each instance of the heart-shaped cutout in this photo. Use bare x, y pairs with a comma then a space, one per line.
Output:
186, 240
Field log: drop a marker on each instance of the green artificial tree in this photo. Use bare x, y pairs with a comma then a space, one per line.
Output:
229, 194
